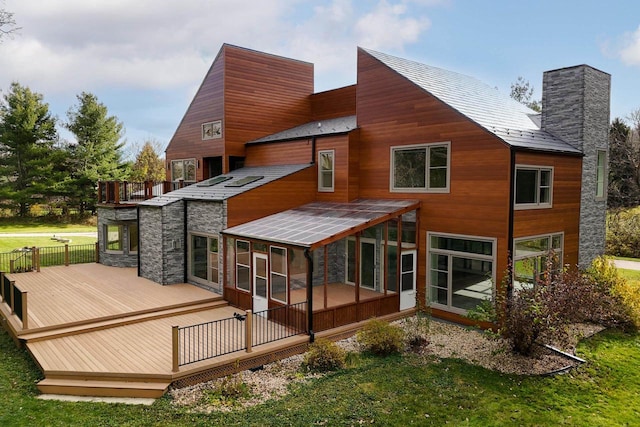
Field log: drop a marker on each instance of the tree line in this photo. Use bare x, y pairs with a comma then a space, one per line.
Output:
38, 167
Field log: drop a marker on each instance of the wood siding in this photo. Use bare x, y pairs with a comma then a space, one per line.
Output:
286, 193
334, 103
254, 94
279, 153
564, 215
393, 112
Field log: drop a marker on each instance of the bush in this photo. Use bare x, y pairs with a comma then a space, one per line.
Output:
416, 330
324, 355
381, 338
623, 233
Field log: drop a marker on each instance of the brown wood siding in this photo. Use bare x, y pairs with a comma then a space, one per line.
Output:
279, 153
354, 165
286, 193
253, 93
564, 215
334, 103
340, 145
206, 106
393, 112
264, 94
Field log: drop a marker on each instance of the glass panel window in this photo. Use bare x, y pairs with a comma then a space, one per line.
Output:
243, 259
533, 256
601, 177
198, 259
461, 271
533, 186
133, 238
114, 234
214, 260
183, 170
326, 170
278, 274
420, 168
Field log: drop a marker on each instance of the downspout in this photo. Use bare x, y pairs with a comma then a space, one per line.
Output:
139, 248
313, 150
185, 245
307, 255
512, 192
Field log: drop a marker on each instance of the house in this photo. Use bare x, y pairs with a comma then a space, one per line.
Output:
413, 186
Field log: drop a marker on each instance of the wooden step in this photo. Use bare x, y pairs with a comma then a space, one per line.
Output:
120, 321
102, 388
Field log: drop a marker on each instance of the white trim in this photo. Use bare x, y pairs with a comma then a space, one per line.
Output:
209, 280
213, 130
331, 189
449, 253
537, 205
236, 263
426, 189
285, 275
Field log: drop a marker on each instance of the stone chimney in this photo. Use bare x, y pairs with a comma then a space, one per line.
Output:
575, 108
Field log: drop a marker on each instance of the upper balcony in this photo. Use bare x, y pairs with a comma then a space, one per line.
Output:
124, 192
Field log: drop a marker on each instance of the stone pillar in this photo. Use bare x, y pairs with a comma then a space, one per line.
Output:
575, 108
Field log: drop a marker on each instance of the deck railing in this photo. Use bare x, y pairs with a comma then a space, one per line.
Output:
243, 331
15, 299
117, 192
30, 259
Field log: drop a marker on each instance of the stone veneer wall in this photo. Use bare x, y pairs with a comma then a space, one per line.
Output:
208, 218
575, 107
162, 243
116, 216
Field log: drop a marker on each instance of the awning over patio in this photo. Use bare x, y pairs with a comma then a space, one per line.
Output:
317, 224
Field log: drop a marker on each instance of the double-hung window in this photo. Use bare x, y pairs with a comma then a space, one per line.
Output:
326, 170
420, 168
534, 187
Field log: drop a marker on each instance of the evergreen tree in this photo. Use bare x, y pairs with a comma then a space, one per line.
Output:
148, 165
28, 155
97, 156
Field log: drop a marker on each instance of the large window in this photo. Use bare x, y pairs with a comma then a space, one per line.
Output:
203, 259
243, 269
278, 274
533, 187
420, 168
461, 271
601, 175
533, 256
326, 170
183, 170
114, 237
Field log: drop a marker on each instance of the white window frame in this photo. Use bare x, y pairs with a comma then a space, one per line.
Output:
248, 266
537, 204
210, 280
538, 254
272, 273
449, 253
601, 175
322, 171
212, 130
427, 188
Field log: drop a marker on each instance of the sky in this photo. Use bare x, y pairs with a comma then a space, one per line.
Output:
145, 59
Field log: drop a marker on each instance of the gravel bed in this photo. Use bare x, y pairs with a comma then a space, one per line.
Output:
445, 340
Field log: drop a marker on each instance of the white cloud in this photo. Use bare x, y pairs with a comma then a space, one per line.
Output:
389, 27
630, 52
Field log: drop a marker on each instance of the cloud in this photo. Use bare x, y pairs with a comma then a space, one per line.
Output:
630, 50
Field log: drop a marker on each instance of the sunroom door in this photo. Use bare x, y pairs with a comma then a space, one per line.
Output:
368, 264
408, 280
260, 301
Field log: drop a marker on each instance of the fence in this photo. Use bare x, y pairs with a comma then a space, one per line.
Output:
15, 299
29, 259
127, 192
204, 341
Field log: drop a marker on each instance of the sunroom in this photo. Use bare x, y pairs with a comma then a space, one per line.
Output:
348, 261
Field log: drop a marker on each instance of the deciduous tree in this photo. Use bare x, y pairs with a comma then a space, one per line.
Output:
7, 24
624, 163
148, 165
522, 91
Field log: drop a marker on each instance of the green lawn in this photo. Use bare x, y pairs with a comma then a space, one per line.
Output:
630, 274
7, 244
44, 225
387, 392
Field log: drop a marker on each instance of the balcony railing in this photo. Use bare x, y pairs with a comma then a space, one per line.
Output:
117, 192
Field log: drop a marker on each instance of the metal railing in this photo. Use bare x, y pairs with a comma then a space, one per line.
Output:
205, 341
131, 192
29, 259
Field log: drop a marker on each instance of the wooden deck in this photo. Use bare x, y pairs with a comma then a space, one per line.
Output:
98, 330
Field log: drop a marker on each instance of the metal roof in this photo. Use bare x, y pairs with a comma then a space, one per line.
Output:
509, 120
319, 223
316, 128
227, 189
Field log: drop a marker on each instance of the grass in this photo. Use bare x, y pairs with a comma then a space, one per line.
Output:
46, 225
633, 275
381, 391
7, 244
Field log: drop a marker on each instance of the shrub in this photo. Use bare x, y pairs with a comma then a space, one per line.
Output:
416, 330
623, 233
324, 355
228, 391
380, 337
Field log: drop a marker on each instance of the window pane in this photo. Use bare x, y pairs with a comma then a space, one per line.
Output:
199, 257
279, 260
133, 238
327, 179
470, 283
190, 170
326, 161
532, 246
437, 157
438, 178
600, 173
526, 185
462, 245
213, 244
177, 170
409, 168
114, 237
351, 261
242, 277
279, 287
545, 178
392, 268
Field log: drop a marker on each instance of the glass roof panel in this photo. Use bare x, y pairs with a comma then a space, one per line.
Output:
244, 181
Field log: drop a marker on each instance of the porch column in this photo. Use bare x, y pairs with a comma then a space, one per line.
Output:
307, 255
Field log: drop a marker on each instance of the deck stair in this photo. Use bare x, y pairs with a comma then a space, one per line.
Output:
104, 388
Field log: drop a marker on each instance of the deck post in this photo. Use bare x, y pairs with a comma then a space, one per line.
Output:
66, 255
38, 260
2, 285
97, 252
33, 257
25, 313
174, 349
12, 266
12, 295
248, 331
